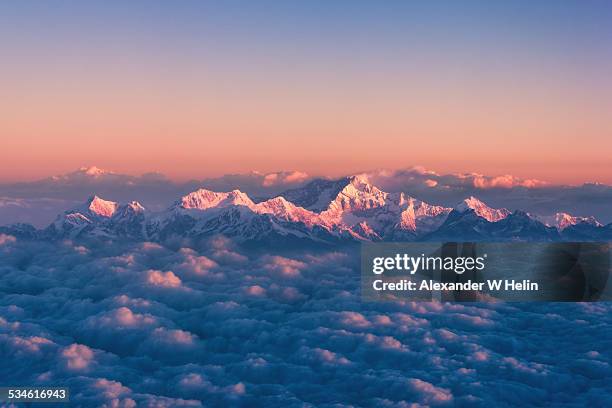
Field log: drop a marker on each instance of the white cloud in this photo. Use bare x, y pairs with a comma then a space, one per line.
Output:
6, 239
166, 279
77, 357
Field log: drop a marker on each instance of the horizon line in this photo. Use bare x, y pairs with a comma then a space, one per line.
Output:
95, 171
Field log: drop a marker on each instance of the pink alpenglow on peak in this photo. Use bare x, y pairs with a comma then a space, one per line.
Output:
286, 210
482, 210
135, 206
358, 194
563, 220
417, 214
132, 208
279, 207
370, 211
102, 207
203, 199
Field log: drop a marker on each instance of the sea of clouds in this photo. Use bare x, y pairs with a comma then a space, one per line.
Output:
209, 324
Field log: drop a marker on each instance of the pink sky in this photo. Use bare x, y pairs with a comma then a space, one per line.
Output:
322, 123
320, 131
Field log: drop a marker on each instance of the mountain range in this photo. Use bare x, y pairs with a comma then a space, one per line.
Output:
350, 209
38, 202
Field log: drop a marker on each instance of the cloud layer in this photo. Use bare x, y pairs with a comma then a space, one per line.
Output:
144, 325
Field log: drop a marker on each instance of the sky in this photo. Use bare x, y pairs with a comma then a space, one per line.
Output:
199, 89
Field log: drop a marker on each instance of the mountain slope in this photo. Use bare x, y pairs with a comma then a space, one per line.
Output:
563, 220
234, 214
317, 194
100, 218
482, 210
367, 212
470, 226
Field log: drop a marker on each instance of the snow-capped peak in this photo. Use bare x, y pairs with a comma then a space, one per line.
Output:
286, 210
482, 210
358, 194
470, 203
203, 199
100, 207
360, 180
563, 220
277, 203
135, 206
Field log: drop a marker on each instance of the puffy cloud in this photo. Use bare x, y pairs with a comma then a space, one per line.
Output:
192, 380
25, 345
354, 319
173, 337
505, 181
6, 239
77, 357
255, 290
329, 357
430, 394
111, 389
165, 279
124, 317
125, 300
283, 266
284, 178
237, 389
151, 246
419, 175
196, 265
222, 250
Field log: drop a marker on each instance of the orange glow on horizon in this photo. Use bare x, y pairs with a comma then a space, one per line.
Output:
463, 101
